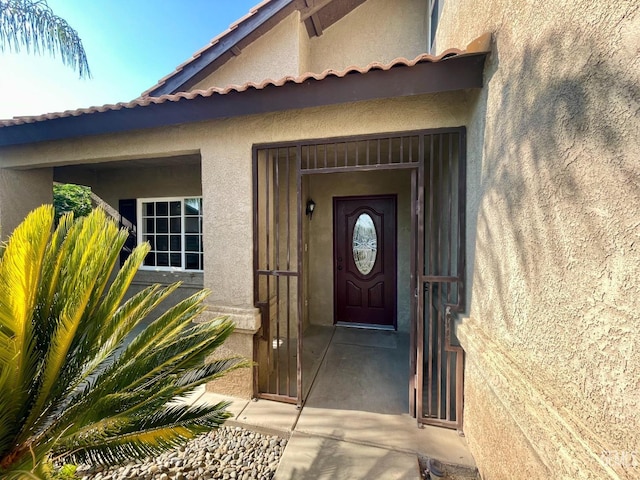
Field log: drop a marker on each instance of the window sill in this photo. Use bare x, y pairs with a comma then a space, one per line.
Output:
189, 278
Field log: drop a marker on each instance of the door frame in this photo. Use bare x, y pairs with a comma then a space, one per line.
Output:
393, 197
316, 161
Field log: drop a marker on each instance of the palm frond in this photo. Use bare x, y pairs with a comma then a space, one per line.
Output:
185, 352
96, 349
169, 325
134, 445
116, 409
32, 25
51, 270
78, 286
120, 393
180, 414
20, 271
215, 369
100, 336
149, 435
69, 383
150, 397
104, 317
143, 371
114, 378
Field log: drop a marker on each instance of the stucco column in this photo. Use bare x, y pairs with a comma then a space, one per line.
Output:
238, 383
20, 192
228, 252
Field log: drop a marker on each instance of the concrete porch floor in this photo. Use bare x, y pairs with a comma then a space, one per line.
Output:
354, 423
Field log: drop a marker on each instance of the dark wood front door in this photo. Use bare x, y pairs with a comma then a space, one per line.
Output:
365, 260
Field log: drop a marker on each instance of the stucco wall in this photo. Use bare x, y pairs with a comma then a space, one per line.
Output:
552, 336
228, 163
114, 185
123, 181
322, 188
304, 49
376, 31
225, 149
274, 55
21, 192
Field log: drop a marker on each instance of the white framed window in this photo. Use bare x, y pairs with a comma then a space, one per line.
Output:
173, 228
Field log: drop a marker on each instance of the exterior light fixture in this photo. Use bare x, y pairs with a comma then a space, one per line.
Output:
311, 206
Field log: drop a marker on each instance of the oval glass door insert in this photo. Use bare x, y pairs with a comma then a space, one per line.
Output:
365, 243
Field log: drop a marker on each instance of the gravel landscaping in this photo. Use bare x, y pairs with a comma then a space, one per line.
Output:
227, 453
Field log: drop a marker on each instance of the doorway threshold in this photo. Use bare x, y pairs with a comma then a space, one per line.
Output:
366, 326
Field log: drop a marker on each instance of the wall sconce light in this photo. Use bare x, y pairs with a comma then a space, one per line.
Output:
311, 206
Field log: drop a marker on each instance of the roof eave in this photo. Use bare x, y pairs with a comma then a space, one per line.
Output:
456, 73
175, 81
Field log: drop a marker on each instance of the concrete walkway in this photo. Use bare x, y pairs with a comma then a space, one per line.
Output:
352, 426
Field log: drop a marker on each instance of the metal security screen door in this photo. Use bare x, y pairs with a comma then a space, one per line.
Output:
439, 356
277, 267
436, 161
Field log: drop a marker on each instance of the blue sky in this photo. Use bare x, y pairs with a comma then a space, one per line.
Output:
130, 45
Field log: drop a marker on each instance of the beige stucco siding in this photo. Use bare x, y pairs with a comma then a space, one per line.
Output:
376, 31
122, 182
21, 192
274, 55
553, 234
228, 163
176, 181
225, 148
304, 50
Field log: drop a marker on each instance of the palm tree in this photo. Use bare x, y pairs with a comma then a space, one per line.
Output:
73, 386
33, 25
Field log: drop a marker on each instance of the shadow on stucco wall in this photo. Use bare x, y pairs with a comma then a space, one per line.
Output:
556, 256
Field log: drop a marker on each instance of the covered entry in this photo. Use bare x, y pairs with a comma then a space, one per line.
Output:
424, 170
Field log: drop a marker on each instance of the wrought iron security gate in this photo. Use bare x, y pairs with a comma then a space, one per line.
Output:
436, 161
277, 266
441, 253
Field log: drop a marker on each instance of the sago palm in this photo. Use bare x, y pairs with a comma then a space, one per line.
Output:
74, 386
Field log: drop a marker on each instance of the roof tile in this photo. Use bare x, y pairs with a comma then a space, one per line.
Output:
146, 100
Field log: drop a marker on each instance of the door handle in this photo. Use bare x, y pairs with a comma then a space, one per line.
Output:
339, 267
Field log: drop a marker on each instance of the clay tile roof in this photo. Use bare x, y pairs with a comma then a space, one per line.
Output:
479, 45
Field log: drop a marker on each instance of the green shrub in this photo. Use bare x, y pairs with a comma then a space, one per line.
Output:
70, 198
